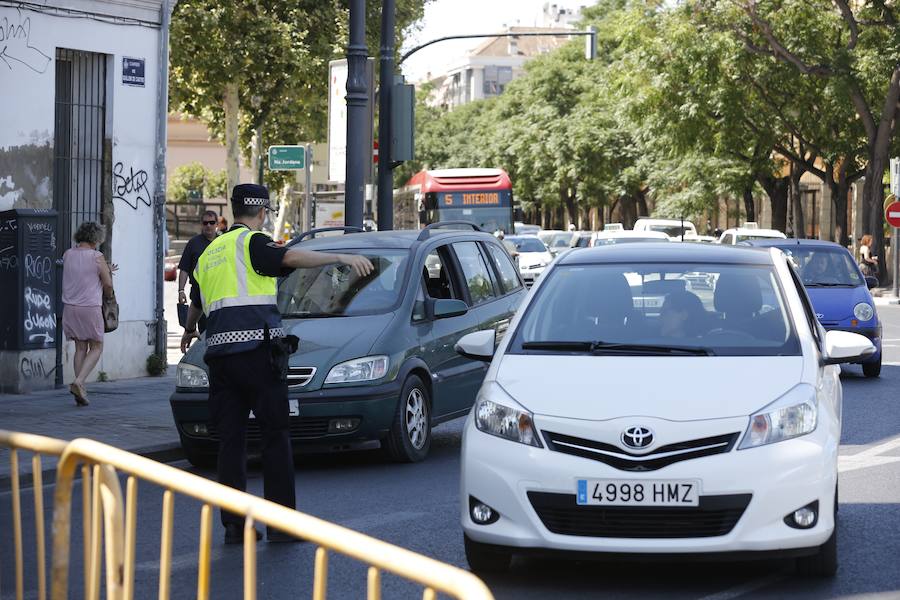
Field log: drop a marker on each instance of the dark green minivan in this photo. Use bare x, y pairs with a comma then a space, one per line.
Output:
376, 363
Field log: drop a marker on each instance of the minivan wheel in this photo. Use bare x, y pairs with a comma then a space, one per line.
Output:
410, 437
872, 369
485, 558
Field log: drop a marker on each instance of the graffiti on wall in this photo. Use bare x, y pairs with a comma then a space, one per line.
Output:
131, 186
16, 45
33, 368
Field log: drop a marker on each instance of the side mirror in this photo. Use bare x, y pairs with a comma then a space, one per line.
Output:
444, 308
846, 347
871, 282
478, 345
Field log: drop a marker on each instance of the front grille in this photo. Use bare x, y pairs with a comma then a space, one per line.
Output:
626, 461
300, 376
301, 428
715, 516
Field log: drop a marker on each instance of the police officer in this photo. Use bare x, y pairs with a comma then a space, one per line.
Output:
236, 287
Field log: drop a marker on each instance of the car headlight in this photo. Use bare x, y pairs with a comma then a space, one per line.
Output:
863, 311
359, 369
505, 422
190, 376
792, 415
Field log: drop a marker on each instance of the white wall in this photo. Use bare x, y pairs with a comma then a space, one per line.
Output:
27, 75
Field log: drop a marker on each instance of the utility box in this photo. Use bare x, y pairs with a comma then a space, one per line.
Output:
28, 278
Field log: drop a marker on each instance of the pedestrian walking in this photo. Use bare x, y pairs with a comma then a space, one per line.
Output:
222, 226
86, 278
246, 347
192, 251
867, 263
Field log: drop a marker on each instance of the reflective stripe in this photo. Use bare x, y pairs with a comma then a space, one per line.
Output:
247, 335
244, 301
241, 264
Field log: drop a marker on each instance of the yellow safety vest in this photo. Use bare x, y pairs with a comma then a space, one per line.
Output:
240, 304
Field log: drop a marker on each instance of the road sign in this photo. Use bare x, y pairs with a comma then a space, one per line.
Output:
287, 158
892, 214
895, 176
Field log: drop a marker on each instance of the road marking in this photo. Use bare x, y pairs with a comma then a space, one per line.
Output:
870, 457
745, 588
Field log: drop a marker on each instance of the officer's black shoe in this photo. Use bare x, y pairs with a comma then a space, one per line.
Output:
234, 534
279, 537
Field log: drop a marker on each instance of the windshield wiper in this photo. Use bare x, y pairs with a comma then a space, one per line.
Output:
824, 284
307, 315
599, 347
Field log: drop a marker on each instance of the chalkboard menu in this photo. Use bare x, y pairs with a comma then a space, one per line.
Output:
28, 278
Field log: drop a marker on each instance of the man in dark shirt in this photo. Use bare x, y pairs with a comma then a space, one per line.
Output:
192, 251
247, 348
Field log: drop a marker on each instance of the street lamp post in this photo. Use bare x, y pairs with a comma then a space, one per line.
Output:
357, 121
385, 203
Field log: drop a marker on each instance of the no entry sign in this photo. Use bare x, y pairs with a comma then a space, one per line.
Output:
892, 214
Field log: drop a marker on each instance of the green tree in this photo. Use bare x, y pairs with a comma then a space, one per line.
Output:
194, 181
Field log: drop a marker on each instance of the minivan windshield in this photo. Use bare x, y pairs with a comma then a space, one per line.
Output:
658, 309
335, 290
527, 243
824, 267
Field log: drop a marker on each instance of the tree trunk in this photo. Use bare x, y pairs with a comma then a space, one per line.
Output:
568, 200
641, 199
840, 188
232, 152
799, 222
286, 207
749, 205
777, 190
873, 198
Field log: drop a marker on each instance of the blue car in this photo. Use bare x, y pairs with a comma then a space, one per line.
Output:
837, 288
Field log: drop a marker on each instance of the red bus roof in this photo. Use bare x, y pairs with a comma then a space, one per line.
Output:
447, 180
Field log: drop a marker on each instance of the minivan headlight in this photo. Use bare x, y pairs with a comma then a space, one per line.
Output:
359, 369
190, 376
792, 415
505, 422
863, 311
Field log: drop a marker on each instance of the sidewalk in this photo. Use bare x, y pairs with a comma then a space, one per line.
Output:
132, 414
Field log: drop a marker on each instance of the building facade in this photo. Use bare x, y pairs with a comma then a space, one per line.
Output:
78, 142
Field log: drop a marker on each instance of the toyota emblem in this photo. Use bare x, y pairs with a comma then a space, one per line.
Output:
637, 437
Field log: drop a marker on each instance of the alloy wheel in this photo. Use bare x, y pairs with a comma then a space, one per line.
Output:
416, 425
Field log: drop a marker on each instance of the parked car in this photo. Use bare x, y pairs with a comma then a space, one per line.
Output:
625, 236
376, 360
556, 240
674, 228
532, 256
526, 228
714, 429
839, 291
737, 235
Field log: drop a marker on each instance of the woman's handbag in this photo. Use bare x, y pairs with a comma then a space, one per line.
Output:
110, 310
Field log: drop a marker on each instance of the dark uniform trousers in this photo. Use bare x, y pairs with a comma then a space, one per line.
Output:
239, 383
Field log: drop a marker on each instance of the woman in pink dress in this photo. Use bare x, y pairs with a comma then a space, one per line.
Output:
86, 277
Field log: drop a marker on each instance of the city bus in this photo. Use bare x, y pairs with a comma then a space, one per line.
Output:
481, 196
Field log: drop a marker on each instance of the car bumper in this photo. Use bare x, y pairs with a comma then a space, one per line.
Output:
779, 478
374, 406
530, 276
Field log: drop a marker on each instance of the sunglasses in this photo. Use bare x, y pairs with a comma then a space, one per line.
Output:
209, 222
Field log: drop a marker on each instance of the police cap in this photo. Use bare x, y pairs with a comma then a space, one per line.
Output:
250, 195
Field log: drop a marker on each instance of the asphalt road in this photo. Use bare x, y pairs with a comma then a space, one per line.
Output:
416, 506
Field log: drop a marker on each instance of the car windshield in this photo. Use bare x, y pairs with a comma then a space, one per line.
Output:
658, 309
672, 230
824, 267
528, 244
335, 290
743, 237
606, 241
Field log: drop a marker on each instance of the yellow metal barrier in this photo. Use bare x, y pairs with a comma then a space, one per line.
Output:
38, 445
101, 463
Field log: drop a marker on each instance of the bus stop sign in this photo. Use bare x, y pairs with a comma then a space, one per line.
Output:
892, 214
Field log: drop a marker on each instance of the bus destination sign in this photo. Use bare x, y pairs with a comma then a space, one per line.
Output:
461, 199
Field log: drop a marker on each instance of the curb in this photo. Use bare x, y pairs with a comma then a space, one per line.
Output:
164, 453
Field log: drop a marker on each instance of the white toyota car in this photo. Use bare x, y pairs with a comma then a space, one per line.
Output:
709, 424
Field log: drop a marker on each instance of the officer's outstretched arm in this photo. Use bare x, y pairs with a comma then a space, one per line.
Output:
296, 258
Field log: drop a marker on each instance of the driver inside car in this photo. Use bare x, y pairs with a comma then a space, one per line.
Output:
682, 315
